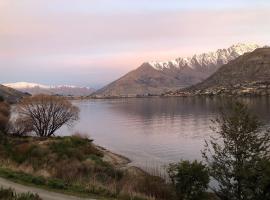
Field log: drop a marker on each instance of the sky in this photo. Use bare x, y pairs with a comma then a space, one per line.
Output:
93, 42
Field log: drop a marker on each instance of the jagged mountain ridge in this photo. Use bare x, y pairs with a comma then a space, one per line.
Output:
248, 74
65, 90
209, 60
158, 77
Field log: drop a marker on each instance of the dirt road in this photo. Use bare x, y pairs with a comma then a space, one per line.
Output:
44, 194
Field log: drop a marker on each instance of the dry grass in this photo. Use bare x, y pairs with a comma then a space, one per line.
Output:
9, 194
76, 164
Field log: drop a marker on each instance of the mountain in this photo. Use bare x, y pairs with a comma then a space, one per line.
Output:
249, 74
65, 90
143, 80
158, 77
11, 95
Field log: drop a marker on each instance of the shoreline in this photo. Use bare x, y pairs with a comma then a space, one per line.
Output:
173, 96
115, 159
122, 162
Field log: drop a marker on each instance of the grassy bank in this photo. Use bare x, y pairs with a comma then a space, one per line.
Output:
50, 184
75, 165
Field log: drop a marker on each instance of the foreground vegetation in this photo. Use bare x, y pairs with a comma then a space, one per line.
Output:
9, 194
75, 165
70, 164
237, 158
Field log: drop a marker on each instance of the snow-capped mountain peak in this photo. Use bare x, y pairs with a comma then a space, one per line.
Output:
36, 88
20, 85
206, 60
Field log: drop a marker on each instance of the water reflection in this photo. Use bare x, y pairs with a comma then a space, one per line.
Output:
155, 131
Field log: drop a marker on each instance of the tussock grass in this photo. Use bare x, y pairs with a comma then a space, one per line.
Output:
9, 194
75, 165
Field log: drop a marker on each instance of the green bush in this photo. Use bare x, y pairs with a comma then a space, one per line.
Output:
96, 159
19, 150
22, 156
73, 147
38, 180
57, 184
190, 179
238, 154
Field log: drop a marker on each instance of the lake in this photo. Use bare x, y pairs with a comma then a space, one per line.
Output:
153, 132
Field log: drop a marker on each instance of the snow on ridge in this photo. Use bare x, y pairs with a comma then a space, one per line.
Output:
27, 85
65, 90
221, 56
20, 85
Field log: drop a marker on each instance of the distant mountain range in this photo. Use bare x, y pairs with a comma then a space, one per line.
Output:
11, 95
65, 90
249, 74
155, 78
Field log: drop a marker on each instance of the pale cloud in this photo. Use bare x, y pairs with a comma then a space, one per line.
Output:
90, 37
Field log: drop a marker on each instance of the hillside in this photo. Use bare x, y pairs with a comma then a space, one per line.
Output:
247, 75
142, 81
158, 77
11, 95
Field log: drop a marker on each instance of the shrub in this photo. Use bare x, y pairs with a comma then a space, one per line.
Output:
257, 182
71, 170
190, 179
57, 184
25, 152
238, 155
38, 180
9, 194
156, 187
73, 147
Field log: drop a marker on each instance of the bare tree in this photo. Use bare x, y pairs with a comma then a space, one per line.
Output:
47, 114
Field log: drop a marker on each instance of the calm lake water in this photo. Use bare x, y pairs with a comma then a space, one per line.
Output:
153, 132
